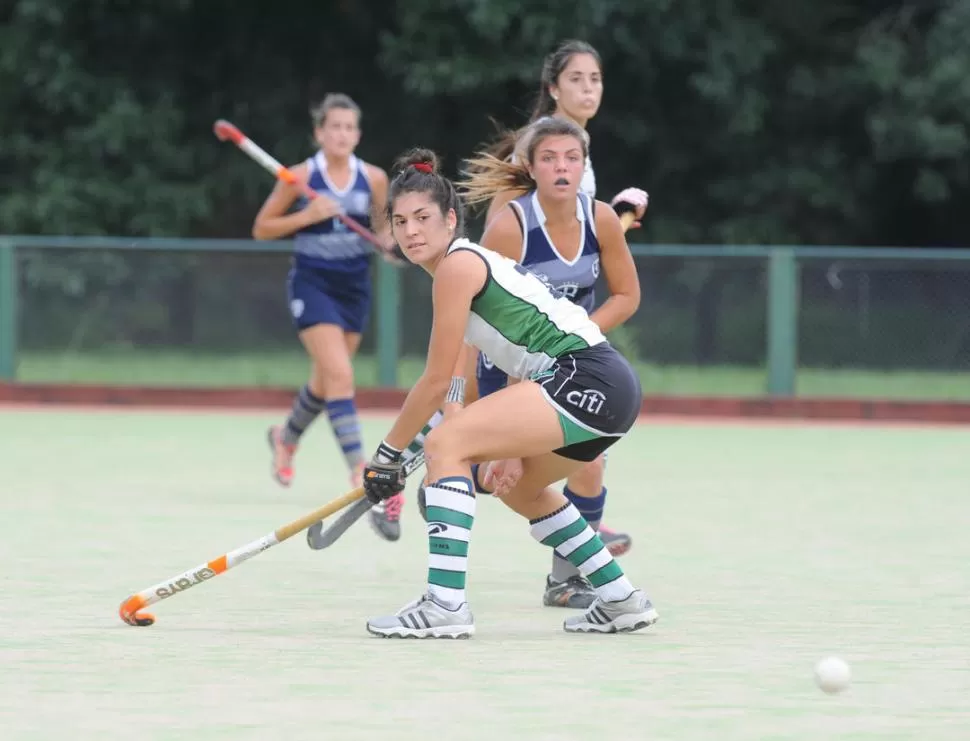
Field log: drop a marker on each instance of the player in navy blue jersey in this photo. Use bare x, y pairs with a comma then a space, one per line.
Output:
566, 238
329, 285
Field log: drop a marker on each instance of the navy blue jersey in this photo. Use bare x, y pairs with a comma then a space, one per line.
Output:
575, 279
331, 245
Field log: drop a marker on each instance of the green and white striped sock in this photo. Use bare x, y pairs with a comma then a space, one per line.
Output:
568, 533
451, 513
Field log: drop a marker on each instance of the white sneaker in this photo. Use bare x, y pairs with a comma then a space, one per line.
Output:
425, 618
622, 616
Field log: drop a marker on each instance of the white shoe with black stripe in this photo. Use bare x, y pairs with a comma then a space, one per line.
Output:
425, 618
622, 616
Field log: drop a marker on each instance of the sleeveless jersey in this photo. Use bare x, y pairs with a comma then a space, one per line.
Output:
587, 184
518, 322
330, 244
575, 279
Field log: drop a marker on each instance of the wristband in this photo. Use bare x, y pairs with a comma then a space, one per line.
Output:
456, 392
387, 454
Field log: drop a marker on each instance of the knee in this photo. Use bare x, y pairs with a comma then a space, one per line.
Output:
435, 445
334, 375
439, 445
588, 480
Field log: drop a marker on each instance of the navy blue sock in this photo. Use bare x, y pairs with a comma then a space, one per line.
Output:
346, 428
591, 508
306, 407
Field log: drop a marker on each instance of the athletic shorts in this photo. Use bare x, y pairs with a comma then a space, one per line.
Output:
598, 397
328, 297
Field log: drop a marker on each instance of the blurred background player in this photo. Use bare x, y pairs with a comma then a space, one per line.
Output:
570, 87
329, 287
556, 352
558, 233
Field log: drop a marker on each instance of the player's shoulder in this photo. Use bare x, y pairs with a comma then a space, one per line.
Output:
463, 256
374, 173
463, 269
504, 224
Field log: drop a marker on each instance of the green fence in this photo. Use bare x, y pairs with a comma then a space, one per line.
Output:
770, 320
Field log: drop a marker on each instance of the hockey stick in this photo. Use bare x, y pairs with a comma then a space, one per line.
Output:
226, 131
131, 609
627, 213
318, 538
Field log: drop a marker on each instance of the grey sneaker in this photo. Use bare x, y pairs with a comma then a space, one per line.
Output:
425, 618
576, 592
385, 517
622, 616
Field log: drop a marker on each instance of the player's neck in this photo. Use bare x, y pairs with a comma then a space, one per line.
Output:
337, 163
558, 211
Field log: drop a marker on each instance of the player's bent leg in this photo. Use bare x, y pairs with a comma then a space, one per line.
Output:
471, 434
565, 586
555, 522
585, 489
514, 422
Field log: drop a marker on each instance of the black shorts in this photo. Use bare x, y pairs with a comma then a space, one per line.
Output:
597, 395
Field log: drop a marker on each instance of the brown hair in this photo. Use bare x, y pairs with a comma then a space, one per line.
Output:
488, 175
417, 172
318, 113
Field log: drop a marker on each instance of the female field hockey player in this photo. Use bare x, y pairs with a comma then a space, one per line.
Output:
570, 89
575, 397
329, 286
564, 237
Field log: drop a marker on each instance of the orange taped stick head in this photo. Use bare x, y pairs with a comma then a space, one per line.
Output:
129, 612
225, 131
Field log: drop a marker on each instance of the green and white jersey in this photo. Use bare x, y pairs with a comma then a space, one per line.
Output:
518, 322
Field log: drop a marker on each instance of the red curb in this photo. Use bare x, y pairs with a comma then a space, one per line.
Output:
389, 398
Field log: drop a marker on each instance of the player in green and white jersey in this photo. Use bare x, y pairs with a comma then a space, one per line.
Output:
575, 397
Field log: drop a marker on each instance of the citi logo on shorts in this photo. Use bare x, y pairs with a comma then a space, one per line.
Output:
589, 400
